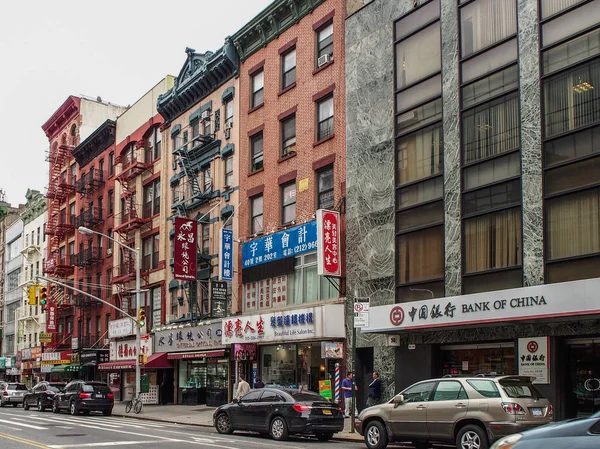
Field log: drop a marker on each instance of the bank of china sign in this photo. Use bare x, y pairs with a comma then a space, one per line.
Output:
539, 302
285, 325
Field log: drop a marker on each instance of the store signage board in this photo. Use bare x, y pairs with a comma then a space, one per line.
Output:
126, 349
361, 312
120, 328
51, 317
218, 298
328, 243
534, 359
205, 336
288, 243
332, 350
226, 255
548, 301
286, 325
186, 234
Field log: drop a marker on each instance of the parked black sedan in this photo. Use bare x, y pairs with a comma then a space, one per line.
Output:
580, 433
42, 395
82, 396
280, 412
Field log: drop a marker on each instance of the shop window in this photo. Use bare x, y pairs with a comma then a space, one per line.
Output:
288, 68
256, 148
201, 374
258, 89
420, 255
325, 193
325, 118
470, 360
278, 365
288, 136
491, 86
288, 202
411, 67
420, 155
256, 211
485, 22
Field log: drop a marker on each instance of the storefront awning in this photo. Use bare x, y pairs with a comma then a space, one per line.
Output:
158, 360
196, 355
116, 366
58, 369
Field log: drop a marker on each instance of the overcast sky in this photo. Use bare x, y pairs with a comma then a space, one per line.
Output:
114, 49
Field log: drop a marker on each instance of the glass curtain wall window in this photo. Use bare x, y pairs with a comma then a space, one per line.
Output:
551, 7
288, 202
485, 22
256, 147
256, 211
325, 118
325, 193
288, 136
288, 68
258, 85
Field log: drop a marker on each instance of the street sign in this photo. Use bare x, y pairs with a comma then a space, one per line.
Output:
361, 312
45, 337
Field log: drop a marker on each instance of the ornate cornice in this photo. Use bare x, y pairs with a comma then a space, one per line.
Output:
270, 23
36, 205
201, 75
102, 138
65, 113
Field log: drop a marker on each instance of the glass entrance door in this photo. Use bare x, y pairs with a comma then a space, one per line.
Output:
583, 398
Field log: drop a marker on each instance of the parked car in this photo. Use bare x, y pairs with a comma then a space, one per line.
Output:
13, 394
42, 395
580, 433
82, 396
470, 412
280, 412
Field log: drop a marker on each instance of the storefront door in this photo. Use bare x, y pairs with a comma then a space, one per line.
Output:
583, 397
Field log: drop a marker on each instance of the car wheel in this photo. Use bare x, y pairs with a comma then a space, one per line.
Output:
375, 435
40, 406
106, 412
55, 408
279, 429
25, 405
223, 424
324, 436
471, 437
73, 408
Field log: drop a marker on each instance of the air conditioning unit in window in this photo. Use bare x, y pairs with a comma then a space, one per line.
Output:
205, 115
108, 251
229, 124
227, 133
324, 59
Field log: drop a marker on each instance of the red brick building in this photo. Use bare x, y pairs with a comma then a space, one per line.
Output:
292, 162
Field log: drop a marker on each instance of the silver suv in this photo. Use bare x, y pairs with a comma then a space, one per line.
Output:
470, 412
13, 394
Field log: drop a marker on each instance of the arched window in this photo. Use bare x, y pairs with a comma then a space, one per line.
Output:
63, 139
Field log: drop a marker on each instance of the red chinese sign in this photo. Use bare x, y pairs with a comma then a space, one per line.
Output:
328, 238
186, 232
51, 317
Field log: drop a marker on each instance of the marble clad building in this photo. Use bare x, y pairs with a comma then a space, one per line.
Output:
473, 135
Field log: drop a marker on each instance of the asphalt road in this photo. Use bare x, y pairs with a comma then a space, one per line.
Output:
20, 429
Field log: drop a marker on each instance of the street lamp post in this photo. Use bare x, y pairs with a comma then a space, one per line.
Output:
138, 300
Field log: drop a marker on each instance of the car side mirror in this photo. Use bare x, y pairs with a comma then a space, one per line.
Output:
399, 399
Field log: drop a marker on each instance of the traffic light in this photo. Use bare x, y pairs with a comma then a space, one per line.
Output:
142, 317
43, 296
32, 295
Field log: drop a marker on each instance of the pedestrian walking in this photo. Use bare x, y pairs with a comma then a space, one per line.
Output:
374, 390
347, 389
243, 388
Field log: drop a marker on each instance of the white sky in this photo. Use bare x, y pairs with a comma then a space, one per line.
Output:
113, 49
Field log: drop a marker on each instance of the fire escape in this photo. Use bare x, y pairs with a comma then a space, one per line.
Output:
62, 184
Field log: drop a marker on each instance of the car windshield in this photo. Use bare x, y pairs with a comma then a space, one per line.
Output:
95, 388
515, 387
17, 387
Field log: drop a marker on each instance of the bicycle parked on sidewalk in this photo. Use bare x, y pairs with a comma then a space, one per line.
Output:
136, 404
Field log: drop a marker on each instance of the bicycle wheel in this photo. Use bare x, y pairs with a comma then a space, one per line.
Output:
128, 406
138, 406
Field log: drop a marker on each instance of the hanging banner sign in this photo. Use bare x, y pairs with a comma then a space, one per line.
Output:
218, 298
51, 317
226, 255
328, 238
186, 233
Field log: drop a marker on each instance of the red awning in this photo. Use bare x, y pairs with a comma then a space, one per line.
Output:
196, 355
158, 360
116, 366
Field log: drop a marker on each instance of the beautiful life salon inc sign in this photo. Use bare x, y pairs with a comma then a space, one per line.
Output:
286, 325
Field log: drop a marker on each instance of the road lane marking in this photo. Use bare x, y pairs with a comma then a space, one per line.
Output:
22, 424
107, 443
22, 440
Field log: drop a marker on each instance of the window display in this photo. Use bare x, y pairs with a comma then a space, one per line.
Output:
203, 373
496, 358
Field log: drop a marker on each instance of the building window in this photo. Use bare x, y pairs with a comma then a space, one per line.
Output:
325, 41
288, 136
325, 117
485, 22
205, 238
109, 243
256, 147
572, 99
206, 127
150, 247
420, 255
411, 67
491, 86
551, 7
288, 68
288, 202
100, 206
258, 88
111, 163
206, 180
152, 198
571, 52
325, 194
155, 303
256, 213
229, 114
420, 155
228, 172
152, 144
195, 128
111, 202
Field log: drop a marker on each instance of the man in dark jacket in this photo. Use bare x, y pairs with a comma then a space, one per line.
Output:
374, 390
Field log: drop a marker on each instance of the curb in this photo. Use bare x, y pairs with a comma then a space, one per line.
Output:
142, 418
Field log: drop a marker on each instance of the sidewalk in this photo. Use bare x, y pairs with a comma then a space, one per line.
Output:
200, 415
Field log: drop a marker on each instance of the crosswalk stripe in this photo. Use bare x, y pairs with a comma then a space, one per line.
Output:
107, 443
22, 424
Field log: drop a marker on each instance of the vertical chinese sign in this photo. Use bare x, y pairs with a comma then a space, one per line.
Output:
328, 243
226, 255
186, 233
218, 298
51, 318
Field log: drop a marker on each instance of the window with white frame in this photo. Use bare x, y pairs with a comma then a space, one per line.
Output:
258, 88
228, 171
325, 117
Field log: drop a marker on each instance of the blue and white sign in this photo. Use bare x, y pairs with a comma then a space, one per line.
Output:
226, 255
291, 242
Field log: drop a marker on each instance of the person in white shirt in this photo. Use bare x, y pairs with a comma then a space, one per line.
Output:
243, 388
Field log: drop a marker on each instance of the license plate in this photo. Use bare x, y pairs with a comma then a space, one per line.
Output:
326, 412
537, 412
100, 396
